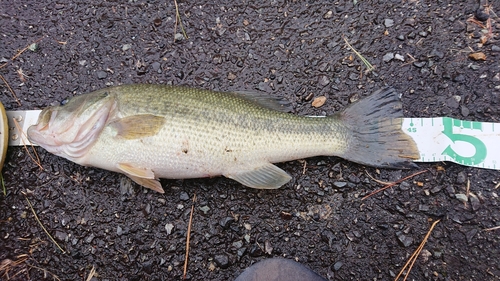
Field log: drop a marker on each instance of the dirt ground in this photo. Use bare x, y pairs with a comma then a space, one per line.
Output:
292, 49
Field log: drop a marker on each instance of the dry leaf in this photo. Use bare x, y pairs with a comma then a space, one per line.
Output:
319, 101
477, 56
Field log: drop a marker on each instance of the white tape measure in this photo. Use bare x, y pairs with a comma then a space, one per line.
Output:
467, 143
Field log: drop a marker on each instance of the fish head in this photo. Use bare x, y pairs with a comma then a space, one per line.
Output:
69, 130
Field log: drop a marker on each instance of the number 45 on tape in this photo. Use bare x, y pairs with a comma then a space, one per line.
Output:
464, 142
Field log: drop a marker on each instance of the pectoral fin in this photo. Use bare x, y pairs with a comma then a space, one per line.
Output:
267, 176
138, 126
141, 176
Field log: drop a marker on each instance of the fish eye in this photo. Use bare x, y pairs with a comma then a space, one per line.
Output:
64, 101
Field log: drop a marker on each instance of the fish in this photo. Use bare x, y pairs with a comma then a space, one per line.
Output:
149, 131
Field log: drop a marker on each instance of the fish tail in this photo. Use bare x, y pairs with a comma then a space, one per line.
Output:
376, 137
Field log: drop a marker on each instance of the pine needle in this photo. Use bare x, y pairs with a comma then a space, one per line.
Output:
368, 65
40, 223
415, 254
188, 238
178, 21
393, 184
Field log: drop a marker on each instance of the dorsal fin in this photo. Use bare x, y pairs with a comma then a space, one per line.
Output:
265, 100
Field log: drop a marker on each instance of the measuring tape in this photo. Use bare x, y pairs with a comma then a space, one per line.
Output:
468, 143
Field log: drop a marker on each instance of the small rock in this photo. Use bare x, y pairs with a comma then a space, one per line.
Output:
423, 33
474, 201
178, 37
268, 247
119, 230
436, 53
461, 178
481, 15
156, 66
169, 227
61, 235
353, 76
102, 74
323, 80
461, 197
388, 22
231, 76
319, 101
399, 57
90, 238
388, 57
238, 244
184, 196
328, 15
226, 222
340, 184
419, 64
337, 265
241, 251
495, 48
126, 47
405, 240
436, 189
222, 261
285, 215
470, 234
401, 37
464, 110
204, 209
460, 78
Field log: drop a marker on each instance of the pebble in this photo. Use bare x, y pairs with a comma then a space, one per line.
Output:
461, 197
474, 202
464, 110
388, 57
419, 64
337, 265
461, 178
481, 15
222, 261
460, 78
401, 37
405, 240
61, 235
423, 33
126, 47
90, 238
184, 196
323, 80
119, 230
328, 15
388, 22
340, 184
169, 227
319, 101
436, 53
205, 209
226, 222
178, 37
495, 48
101, 74
399, 57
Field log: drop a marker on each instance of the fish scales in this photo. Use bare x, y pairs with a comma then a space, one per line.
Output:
154, 131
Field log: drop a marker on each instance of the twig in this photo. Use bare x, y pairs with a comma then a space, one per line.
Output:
415, 254
40, 223
393, 184
45, 271
492, 228
10, 89
188, 238
178, 20
378, 181
25, 48
91, 274
368, 65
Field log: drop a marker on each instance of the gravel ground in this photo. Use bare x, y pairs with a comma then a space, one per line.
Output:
291, 49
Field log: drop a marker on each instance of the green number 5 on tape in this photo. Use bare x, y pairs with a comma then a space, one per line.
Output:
480, 147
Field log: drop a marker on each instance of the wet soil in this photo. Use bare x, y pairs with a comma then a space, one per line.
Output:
292, 49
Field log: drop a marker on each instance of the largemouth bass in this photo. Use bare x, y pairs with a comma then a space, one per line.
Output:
149, 132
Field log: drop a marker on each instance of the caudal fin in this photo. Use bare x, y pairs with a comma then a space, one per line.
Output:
378, 139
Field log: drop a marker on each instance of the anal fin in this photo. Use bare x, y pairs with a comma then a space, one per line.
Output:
141, 176
267, 176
